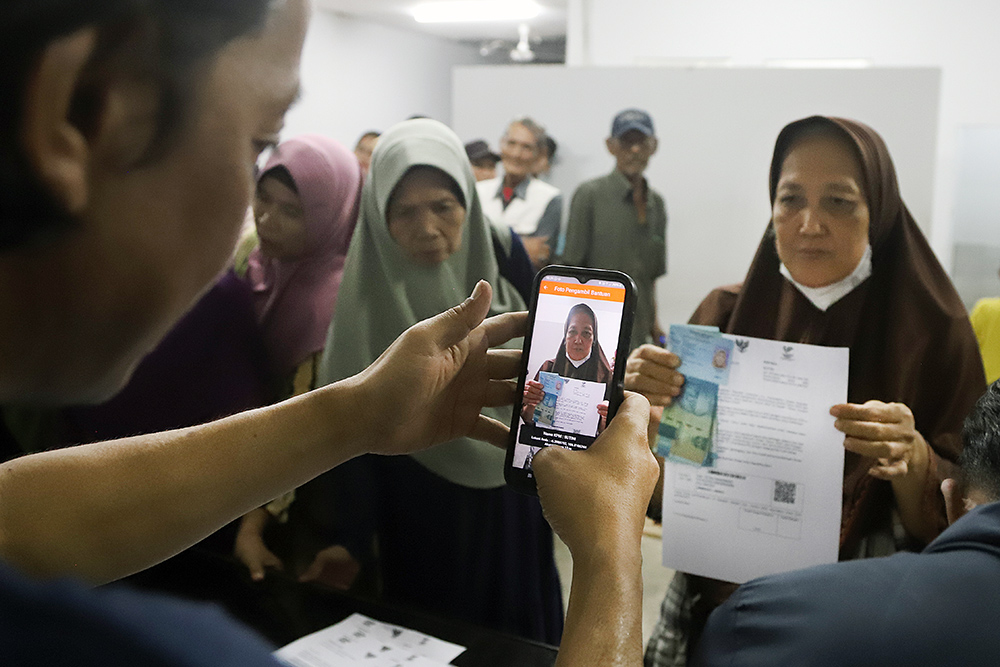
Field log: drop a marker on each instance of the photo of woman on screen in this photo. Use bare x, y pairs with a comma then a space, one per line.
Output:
580, 357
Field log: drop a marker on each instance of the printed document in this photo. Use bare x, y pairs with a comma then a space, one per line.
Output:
576, 409
359, 640
772, 501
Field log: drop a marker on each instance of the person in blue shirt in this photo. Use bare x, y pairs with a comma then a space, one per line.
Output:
936, 607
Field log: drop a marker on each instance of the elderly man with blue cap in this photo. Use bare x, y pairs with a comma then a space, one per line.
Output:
619, 222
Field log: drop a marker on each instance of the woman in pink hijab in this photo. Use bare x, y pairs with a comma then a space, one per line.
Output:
305, 210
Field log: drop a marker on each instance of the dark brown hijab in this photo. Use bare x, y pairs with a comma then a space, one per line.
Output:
909, 334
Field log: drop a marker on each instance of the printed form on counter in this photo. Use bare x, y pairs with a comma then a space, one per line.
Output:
768, 498
360, 640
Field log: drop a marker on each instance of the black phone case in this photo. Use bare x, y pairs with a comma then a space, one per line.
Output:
522, 480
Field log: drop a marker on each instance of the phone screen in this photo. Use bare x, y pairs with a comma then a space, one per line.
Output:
579, 334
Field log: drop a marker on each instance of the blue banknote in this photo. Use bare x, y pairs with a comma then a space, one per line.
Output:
687, 429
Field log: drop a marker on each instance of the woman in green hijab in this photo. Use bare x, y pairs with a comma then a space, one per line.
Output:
450, 537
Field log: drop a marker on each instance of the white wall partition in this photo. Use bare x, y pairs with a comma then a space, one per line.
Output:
977, 214
717, 128
959, 37
358, 76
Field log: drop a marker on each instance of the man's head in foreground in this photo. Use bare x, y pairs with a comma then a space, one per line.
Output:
980, 458
126, 166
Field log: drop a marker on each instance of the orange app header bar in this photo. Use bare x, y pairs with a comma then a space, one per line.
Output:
583, 291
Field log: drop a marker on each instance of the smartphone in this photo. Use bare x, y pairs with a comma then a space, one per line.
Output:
572, 366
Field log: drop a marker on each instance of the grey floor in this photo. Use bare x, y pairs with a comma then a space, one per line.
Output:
655, 577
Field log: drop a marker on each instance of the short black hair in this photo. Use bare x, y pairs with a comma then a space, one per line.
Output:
166, 39
980, 458
550, 147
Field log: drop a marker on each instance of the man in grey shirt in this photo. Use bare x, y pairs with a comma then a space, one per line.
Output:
619, 222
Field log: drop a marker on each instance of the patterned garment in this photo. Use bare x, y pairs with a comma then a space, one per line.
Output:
668, 644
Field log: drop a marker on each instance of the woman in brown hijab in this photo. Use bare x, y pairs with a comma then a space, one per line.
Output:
580, 356
843, 264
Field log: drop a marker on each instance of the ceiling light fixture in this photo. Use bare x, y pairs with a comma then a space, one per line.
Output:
472, 11
522, 53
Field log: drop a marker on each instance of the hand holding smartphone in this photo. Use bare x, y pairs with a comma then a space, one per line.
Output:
573, 364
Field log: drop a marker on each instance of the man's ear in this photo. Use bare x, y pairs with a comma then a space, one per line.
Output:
955, 504
656, 144
609, 143
54, 145
81, 114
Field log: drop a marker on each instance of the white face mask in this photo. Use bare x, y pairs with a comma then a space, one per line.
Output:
577, 364
824, 297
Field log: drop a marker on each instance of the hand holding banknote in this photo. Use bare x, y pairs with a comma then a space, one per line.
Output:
652, 372
533, 393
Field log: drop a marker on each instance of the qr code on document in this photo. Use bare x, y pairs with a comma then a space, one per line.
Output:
784, 492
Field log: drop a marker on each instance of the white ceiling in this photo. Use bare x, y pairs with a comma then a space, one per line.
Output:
551, 23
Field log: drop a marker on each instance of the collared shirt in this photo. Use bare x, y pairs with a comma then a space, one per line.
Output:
534, 210
507, 195
604, 231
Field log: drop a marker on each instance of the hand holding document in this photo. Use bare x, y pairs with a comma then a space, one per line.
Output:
762, 493
688, 426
